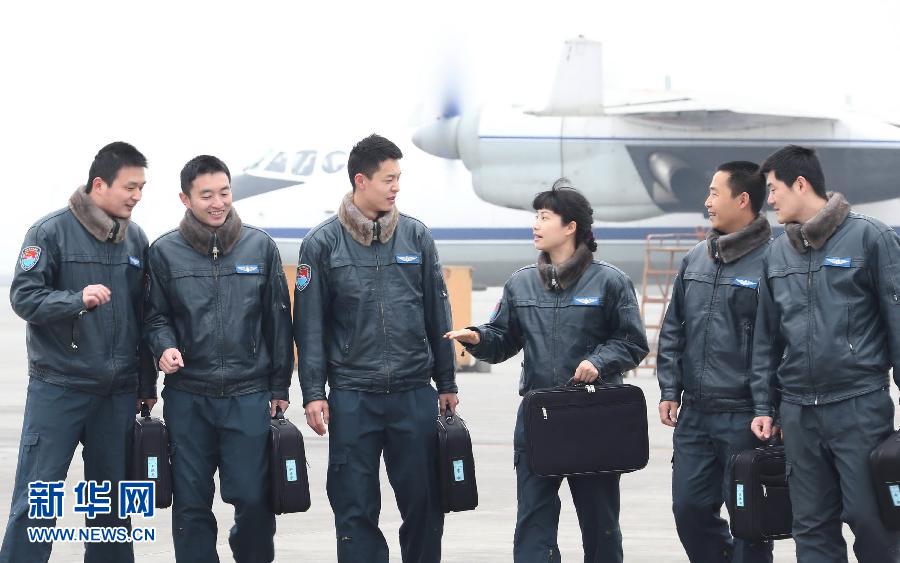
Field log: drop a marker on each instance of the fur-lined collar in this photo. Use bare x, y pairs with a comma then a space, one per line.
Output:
361, 228
734, 246
818, 230
566, 274
203, 239
101, 226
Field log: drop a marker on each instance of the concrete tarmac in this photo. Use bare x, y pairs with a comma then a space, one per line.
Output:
488, 404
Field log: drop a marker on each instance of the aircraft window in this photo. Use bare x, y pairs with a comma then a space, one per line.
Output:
335, 161
303, 163
278, 163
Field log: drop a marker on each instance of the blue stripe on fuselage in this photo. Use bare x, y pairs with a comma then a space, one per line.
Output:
517, 234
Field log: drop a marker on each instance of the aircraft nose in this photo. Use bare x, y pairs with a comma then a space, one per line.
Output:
439, 138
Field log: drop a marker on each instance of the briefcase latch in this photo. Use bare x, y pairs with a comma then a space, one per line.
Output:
590, 388
544, 410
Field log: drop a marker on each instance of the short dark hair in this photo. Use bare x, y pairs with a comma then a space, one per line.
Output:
368, 154
198, 166
744, 176
112, 158
790, 162
571, 205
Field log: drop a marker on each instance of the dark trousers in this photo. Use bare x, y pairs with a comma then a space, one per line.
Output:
827, 449
703, 444
402, 426
596, 500
230, 434
56, 420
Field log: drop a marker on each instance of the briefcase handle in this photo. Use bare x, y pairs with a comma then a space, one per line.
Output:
145, 410
572, 383
279, 414
774, 440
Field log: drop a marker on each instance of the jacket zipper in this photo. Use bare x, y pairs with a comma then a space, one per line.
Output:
113, 311
809, 334
387, 361
215, 265
709, 313
110, 239
555, 286
115, 322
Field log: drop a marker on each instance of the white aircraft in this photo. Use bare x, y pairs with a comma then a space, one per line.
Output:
653, 154
644, 165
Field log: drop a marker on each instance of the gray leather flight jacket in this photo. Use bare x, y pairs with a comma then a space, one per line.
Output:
222, 299
371, 317
589, 312
96, 350
828, 324
706, 340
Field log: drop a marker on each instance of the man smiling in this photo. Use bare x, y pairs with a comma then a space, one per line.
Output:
704, 360
827, 334
219, 326
79, 284
370, 310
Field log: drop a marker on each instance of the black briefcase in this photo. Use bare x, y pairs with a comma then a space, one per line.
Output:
586, 430
150, 459
759, 504
884, 462
456, 465
289, 479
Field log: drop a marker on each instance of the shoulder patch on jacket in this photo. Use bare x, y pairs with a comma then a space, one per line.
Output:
29, 257
304, 275
496, 311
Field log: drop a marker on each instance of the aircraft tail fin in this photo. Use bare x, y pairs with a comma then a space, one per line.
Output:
578, 88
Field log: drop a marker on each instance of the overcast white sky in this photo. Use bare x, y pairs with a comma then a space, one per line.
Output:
234, 79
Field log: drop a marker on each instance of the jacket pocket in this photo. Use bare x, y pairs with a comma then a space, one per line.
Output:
445, 297
428, 352
346, 341
698, 282
345, 327
747, 344
76, 332
894, 277
847, 333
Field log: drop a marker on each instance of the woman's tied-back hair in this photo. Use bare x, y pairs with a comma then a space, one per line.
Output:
567, 202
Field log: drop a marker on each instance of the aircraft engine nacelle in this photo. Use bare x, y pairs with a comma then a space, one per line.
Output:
513, 155
672, 176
